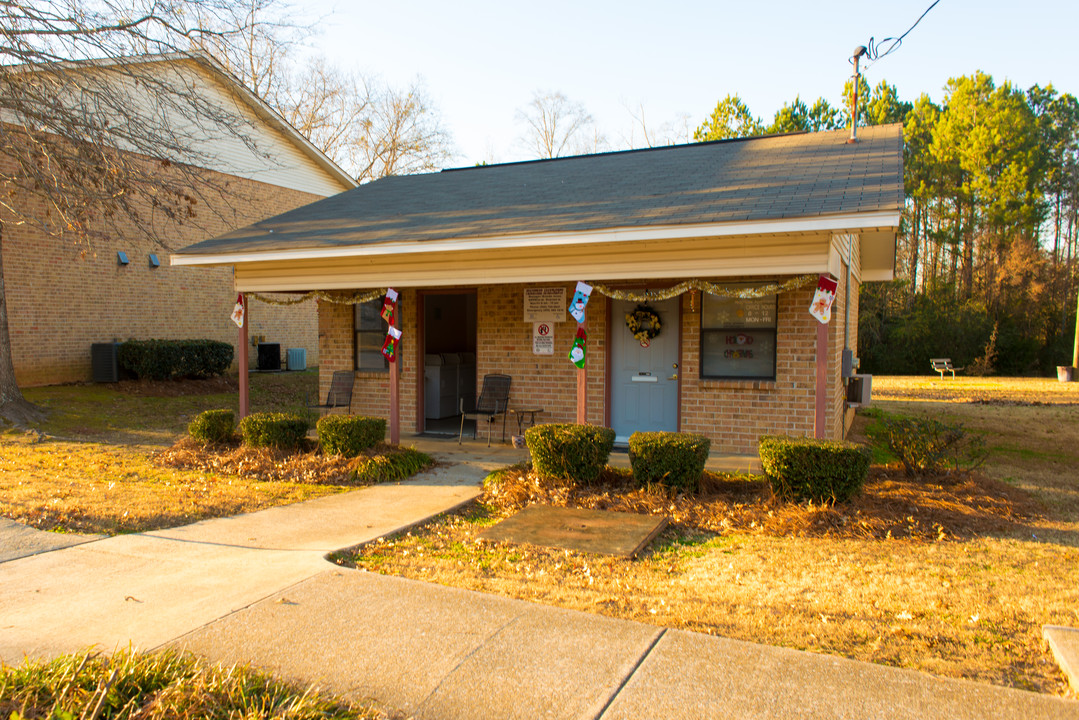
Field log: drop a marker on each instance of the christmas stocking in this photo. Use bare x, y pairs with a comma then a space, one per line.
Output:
579, 348
580, 300
389, 306
389, 348
238, 311
821, 307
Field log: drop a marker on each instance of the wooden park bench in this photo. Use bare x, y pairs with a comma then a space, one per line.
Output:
943, 365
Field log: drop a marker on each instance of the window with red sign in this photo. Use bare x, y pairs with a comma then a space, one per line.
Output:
738, 337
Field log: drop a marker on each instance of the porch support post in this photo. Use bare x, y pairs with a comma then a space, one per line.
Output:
244, 409
395, 398
582, 389
821, 394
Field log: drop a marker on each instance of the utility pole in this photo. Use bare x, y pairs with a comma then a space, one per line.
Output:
858, 53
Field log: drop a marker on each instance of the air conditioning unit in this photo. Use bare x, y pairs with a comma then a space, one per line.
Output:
269, 356
297, 358
859, 390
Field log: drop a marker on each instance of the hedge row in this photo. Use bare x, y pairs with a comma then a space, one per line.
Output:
809, 469
337, 434
578, 453
169, 359
349, 435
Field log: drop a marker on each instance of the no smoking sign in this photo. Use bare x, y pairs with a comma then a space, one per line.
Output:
542, 338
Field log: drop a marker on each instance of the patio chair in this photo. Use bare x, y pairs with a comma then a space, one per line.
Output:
340, 393
492, 402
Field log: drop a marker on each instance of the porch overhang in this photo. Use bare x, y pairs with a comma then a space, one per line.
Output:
753, 248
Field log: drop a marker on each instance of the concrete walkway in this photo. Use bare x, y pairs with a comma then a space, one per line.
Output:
150, 588
256, 588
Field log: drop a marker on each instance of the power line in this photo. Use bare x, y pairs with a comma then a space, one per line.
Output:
873, 52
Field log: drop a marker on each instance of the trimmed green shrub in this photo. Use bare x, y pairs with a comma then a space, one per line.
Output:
810, 469
569, 452
213, 426
349, 435
673, 459
401, 464
276, 430
925, 445
168, 359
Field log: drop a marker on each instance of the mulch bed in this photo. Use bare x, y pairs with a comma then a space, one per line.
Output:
892, 505
267, 464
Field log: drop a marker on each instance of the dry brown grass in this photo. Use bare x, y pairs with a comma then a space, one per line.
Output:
969, 610
953, 575
94, 488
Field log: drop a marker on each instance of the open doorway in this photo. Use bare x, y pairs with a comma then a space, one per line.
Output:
449, 360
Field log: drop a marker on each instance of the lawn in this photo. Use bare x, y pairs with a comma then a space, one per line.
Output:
950, 575
99, 464
160, 686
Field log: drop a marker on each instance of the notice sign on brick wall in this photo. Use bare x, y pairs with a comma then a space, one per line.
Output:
542, 338
545, 304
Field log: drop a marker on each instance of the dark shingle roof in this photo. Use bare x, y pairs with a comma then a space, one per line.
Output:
769, 178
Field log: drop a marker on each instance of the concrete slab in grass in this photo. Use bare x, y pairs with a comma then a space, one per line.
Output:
693, 676
1064, 642
430, 651
593, 531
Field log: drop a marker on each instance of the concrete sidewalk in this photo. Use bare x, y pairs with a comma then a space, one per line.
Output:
256, 588
150, 588
445, 653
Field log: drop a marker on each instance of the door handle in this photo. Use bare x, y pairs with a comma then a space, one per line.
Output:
673, 377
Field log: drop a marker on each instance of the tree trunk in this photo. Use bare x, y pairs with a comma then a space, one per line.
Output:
14, 408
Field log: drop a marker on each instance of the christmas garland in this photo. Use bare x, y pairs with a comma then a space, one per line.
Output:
742, 293
339, 298
643, 323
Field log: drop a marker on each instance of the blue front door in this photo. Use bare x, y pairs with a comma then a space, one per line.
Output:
644, 380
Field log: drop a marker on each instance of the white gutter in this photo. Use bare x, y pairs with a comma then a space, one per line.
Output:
830, 223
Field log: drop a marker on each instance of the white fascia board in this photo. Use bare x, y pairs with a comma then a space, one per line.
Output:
828, 223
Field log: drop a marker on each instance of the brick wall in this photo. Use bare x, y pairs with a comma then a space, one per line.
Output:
735, 413
732, 413
63, 296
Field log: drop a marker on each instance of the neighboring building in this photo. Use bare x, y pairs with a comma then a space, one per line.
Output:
61, 298
464, 247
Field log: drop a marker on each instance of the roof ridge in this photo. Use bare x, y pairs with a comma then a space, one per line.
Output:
677, 146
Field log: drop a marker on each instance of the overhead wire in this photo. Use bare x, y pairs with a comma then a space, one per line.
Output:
873, 51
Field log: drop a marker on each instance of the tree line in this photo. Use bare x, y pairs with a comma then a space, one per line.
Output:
986, 266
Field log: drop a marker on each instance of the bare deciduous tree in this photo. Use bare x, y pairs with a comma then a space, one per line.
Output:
92, 137
556, 126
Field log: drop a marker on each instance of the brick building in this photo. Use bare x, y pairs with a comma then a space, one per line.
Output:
61, 298
722, 242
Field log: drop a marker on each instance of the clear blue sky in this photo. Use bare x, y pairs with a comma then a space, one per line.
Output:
482, 61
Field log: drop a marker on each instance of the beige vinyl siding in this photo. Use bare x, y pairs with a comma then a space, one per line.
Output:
275, 158
771, 255
257, 150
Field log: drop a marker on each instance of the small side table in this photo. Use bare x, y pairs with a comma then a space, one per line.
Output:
520, 413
